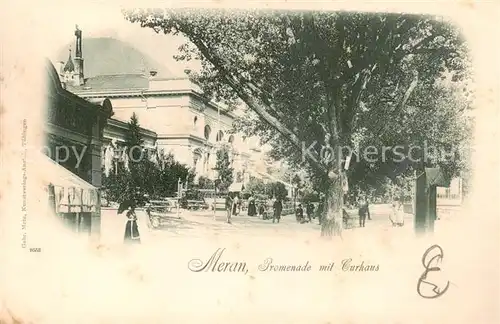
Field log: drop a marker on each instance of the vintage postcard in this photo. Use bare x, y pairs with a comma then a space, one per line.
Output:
227, 162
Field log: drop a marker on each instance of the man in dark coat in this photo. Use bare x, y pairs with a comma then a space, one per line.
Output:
278, 207
310, 211
363, 212
299, 214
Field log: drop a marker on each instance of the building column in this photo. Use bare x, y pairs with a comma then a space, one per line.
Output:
96, 162
96, 167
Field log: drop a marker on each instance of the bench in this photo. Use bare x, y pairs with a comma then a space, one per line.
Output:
196, 204
220, 203
159, 210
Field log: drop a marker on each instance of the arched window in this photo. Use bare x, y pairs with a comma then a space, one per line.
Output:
196, 157
220, 135
208, 130
231, 139
195, 120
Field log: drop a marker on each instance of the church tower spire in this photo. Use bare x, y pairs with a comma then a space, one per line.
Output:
69, 67
78, 58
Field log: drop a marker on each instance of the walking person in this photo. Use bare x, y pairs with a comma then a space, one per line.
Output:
397, 215
131, 229
262, 211
278, 207
235, 205
239, 203
252, 210
229, 206
367, 205
310, 211
362, 212
299, 214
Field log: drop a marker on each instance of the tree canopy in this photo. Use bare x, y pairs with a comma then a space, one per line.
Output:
330, 80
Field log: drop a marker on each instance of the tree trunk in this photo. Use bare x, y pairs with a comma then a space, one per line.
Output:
421, 202
331, 216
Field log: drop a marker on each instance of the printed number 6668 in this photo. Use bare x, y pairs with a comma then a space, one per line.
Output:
35, 249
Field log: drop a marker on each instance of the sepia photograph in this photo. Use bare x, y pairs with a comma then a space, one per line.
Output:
195, 164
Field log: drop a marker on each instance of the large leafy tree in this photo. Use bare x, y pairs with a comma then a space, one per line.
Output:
256, 186
277, 190
325, 80
205, 183
141, 173
170, 172
133, 140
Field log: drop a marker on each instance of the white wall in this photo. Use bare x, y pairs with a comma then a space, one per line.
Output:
173, 115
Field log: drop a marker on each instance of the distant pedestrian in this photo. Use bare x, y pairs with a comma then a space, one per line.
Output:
299, 214
310, 211
362, 213
397, 214
236, 201
278, 207
229, 206
262, 210
367, 204
252, 210
239, 203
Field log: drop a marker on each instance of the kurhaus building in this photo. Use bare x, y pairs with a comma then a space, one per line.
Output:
170, 108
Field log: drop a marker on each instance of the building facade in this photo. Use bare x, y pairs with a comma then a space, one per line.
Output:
171, 110
74, 131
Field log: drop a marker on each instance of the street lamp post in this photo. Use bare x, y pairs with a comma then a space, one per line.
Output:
179, 196
216, 184
218, 138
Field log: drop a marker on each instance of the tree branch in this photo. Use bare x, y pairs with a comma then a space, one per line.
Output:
249, 99
402, 103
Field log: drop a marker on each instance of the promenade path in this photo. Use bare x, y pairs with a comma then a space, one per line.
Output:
152, 283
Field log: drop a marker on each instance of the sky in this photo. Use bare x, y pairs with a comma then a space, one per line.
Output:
109, 22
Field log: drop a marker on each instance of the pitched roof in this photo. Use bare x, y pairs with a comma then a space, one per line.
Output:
113, 82
109, 56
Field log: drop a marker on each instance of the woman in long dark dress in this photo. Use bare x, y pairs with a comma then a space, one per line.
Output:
131, 229
252, 210
236, 201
